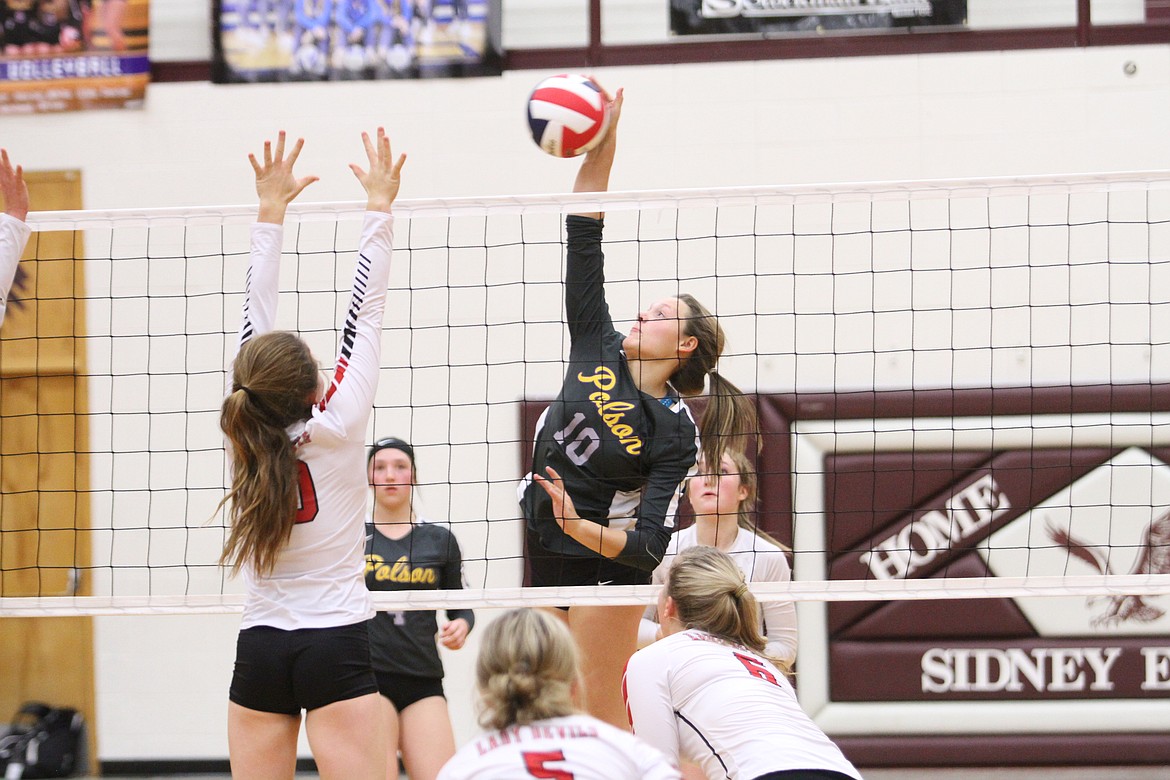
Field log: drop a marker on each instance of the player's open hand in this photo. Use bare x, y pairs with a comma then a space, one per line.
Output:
562, 503
384, 176
13, 188
276, 184
615, 105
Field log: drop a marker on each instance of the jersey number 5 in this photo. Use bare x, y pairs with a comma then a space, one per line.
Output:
534, 762
583, 445
306, 494
756, 668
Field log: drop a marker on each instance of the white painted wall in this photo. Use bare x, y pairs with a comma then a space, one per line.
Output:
162, 681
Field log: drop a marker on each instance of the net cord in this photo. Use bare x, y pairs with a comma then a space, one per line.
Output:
610, 595
616, 201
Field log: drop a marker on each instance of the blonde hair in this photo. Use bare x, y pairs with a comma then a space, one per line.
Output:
730, 416
275, 379
526, 669
746, 513
711, 595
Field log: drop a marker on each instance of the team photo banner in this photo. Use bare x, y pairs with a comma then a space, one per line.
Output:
720, 17
72, 55
342, 40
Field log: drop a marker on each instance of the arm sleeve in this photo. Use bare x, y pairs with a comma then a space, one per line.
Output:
261, 286
350, 395
453, 580
646, 542
14, 235
779, 616
586, 311
648, 703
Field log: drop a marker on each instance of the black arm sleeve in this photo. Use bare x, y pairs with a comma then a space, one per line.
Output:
586, 311
646, 542
452, 579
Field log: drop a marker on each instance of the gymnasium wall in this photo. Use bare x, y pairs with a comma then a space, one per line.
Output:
161, 682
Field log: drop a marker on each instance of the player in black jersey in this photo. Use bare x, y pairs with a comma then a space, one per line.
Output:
407, 552
614, 447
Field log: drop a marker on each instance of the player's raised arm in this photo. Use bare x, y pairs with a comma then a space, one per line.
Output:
14, 232
593, 175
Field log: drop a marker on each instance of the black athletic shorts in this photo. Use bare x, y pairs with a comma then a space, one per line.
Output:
404, 690
289, 671
805, 774
551, 569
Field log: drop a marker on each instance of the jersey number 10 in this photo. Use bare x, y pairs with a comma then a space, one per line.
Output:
583, 445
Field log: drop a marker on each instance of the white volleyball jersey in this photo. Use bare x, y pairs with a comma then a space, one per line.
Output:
760, 561
14, 235
574, 747
697, 698
319, 580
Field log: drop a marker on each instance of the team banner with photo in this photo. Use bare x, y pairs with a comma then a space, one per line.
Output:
716, 17
318, 40
68, 55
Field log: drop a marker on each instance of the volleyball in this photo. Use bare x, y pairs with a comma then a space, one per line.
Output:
567, 115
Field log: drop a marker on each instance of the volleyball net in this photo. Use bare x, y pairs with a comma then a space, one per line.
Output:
961, 383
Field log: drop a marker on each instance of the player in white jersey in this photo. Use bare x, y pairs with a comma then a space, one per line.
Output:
527, 676
708, 693
14, 232
723, 501
298, 501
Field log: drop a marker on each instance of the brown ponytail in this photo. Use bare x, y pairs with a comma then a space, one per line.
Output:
275, 379
730, 416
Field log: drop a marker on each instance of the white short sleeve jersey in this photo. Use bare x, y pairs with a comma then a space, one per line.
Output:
697, 698
14, 235
319, 579
760, 561
579, 747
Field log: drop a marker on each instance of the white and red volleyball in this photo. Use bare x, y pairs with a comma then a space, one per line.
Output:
568, 115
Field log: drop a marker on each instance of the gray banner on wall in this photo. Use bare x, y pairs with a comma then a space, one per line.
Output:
721, 17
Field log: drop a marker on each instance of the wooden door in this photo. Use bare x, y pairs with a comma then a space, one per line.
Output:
44, 472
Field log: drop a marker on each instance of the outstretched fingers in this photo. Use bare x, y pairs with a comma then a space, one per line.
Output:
296, 150
276, 184
13, 188
382, 180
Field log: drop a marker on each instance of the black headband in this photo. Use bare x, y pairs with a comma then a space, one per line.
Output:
391, 443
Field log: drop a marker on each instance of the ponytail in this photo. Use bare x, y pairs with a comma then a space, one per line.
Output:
730, 417
711, 595
275, 381
526, 669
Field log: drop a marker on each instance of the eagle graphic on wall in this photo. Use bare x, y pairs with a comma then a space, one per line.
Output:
1154, 558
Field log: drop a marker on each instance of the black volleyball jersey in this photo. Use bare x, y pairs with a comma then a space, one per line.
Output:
427, 558
622, 453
